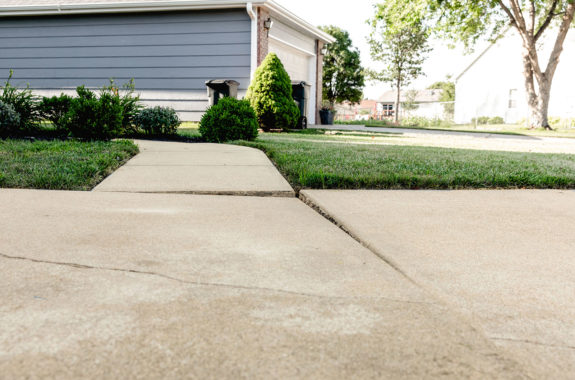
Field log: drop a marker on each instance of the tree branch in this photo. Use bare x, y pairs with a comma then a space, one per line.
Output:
532, 18
558, 48
550, 15
509, 14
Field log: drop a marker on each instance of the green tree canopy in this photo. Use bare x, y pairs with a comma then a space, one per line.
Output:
343, 76
400, 44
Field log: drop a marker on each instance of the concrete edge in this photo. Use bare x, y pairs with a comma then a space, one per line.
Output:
261, 194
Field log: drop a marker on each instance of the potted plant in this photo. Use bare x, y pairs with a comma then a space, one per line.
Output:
327, 113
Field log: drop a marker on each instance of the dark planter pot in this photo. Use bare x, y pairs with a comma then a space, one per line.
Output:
326, 117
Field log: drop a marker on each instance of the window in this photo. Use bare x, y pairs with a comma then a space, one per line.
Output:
388, 110
513, 98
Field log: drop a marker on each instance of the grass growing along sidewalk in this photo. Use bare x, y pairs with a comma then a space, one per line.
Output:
322, 165
60, 165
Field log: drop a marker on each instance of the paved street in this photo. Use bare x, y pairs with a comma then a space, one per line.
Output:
464, 140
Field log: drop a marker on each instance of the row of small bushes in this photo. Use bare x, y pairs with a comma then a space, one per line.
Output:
116, 111
112, 112
486, 120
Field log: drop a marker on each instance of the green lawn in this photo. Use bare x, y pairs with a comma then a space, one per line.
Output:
308, 161
60, 165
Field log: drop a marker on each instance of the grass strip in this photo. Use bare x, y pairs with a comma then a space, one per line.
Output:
60, 165
318, 165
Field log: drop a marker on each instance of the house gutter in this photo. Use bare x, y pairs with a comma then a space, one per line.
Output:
146, 6
254, 38
164, 6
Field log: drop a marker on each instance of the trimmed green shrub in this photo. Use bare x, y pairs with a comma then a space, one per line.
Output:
425, 122
9, 120
270, 95
128, 99
56, 110
496, 120
230, 119
158, 121
24, 103
95, 118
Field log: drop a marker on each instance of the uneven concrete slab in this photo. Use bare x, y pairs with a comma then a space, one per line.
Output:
168, 167
506, 258
114, 285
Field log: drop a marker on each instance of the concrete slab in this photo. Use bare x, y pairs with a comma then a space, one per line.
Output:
168, 167
505, 258
121, 285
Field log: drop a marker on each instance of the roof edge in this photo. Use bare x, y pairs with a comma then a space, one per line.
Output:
173, 5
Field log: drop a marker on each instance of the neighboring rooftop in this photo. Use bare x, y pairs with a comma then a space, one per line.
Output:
422, 96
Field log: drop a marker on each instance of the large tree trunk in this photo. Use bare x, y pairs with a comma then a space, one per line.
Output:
397, 101
537, 101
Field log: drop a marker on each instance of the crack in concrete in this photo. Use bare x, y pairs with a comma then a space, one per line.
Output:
310, 203
208, 284
527, 341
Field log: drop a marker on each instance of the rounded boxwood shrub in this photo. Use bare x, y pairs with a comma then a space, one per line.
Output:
230, 119
158, 120
270, 95
9, 120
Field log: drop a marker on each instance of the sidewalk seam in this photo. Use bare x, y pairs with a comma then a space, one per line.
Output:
317, 208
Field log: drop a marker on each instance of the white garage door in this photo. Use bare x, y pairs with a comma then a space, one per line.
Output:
296, 62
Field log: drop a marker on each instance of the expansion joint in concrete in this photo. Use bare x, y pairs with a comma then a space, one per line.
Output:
308, 201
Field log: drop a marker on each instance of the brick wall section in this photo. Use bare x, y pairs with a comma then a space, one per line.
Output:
319, 81
263, 39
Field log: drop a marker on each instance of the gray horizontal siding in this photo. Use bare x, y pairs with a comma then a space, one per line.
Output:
171, 54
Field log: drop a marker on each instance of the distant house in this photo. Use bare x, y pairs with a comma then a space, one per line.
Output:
427, 103
170, 48
493, 83
364, 110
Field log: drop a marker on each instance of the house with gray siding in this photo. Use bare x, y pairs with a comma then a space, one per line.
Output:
170, 48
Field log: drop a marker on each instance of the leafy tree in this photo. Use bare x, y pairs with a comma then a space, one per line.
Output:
468, 21
270, 95
343, 76
401, 46
447, 95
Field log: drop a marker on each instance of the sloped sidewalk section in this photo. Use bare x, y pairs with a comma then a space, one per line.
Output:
217, 169
505, 258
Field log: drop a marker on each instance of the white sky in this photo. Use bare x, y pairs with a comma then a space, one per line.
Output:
352, 16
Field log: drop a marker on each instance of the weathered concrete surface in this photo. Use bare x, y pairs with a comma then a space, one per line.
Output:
462, 140
114, 285
169, 167
506, 258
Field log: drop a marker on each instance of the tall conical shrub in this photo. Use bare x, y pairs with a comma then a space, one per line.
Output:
270, 95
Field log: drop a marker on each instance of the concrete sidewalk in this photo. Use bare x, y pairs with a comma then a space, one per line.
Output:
169, 167
504, 258
115, 285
